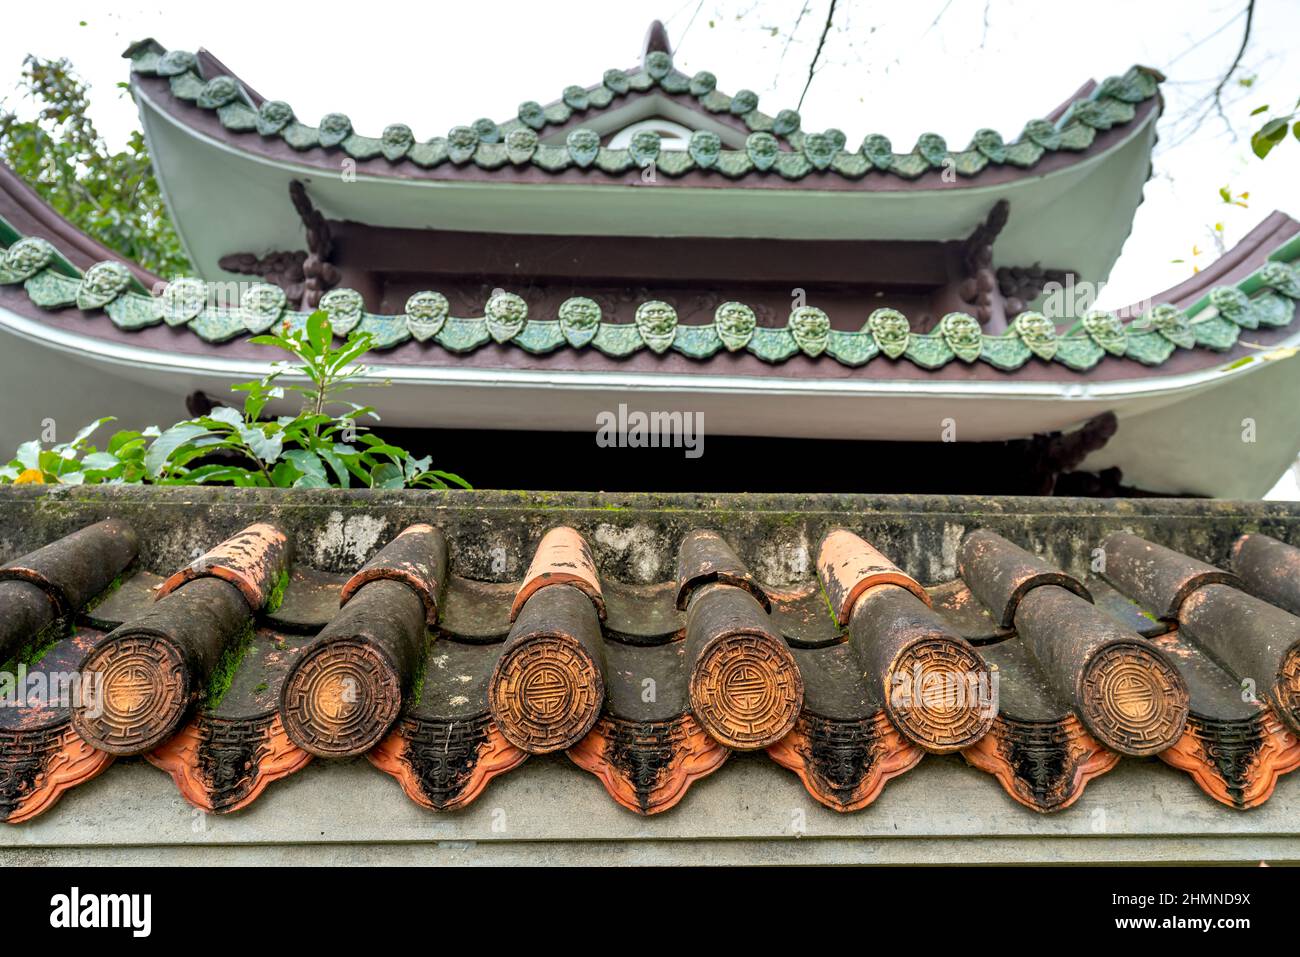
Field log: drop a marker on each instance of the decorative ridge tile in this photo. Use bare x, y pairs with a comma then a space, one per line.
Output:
1214, 323
650, 716
1111, 103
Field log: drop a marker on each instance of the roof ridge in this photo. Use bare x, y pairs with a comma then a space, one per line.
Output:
1263, 298
490, 145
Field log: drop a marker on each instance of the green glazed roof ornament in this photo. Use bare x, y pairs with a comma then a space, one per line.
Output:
579, 320
1038, 333
1281, 277
260, 306
273, 116
175, 62
735, 323
762, 149
521, 144
811, 329
426, 314
583, 145
891, 330
820, 149
334, 129
963, 334
396, 142
1171, 322
25, 259
345, 309
657, 323
462, 143
506, 314
183, 300
933, 149
219, 91
1105, 329
1234, 305
644, 147
103, 283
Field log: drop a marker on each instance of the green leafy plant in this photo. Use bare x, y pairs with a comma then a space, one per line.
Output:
323, 446
1274, 130
112, 196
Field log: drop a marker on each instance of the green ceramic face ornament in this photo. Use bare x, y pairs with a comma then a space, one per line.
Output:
735, 323
462, 142
1043, 133
1037, 332
25, 259
345, 309
260, 306
521, 144
334, 129
963, 335
657, 323
820, 149
933, 149
1171, 322
531, 114
506, 315
1281, 277
1107, 331
891, 330
879, 150
217, 92
426, 314
704, 148
102, 283
583, 146
183, 300
1234, 305
273, 116
644, 148
579, 320
762, 149
396, 141
811, 329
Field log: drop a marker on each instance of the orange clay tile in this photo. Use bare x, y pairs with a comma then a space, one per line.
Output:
445, 765
1236, 762
1044, 765
849, 566
221, 766
253, 561
647, 766
417, 558
563, 558
39, 767
845, 764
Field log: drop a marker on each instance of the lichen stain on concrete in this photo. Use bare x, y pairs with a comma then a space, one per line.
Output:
344, 543
943, 566
639, 547
784, 561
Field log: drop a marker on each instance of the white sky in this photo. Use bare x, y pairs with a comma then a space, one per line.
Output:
947, 66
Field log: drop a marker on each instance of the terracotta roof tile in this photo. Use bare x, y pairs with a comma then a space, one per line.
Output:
652, 699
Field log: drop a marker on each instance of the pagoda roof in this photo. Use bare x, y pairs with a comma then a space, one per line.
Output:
552, 170
1254, 287
743, 144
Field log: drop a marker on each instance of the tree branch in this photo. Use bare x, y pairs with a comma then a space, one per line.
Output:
812, 67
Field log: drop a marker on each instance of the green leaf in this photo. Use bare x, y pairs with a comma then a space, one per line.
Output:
99, 461
1258, 110
29, 454
155, 460
387, 475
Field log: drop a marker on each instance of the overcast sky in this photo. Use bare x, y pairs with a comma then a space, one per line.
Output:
947, 66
